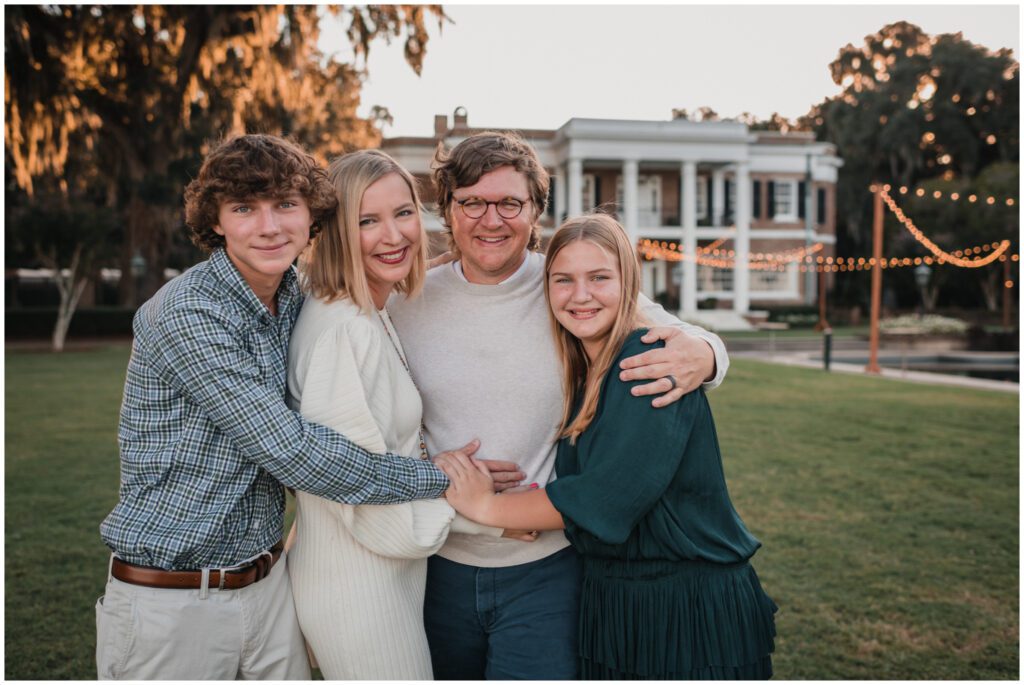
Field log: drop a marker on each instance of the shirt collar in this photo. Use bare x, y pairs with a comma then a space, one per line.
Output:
288, 294
457, 267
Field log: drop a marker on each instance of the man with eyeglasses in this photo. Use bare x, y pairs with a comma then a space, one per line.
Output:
482, 353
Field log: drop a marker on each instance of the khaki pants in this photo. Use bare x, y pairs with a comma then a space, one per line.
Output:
147, 633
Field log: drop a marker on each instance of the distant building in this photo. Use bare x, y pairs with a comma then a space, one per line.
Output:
710, 187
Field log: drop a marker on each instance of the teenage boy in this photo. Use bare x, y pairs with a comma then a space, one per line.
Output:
198, 587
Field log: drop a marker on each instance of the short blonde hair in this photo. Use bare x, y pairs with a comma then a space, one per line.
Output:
333, 265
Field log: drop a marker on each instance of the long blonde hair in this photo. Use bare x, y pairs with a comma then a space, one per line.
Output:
333, 266
578, 374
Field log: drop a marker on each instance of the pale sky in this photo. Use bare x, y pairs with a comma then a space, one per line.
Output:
536, 66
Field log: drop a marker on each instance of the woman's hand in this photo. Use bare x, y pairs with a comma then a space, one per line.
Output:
688, 360
467, 450
506, 474
471, 488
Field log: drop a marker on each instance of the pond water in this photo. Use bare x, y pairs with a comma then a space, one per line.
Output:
1000, 366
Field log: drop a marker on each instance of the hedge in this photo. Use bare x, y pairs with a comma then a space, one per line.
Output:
36, 323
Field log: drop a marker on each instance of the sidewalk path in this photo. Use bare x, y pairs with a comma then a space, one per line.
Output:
803, 360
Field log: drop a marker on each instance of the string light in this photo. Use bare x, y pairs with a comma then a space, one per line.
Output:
652, 251
954, 196
952, 258
713, 247
779, 261
771, 261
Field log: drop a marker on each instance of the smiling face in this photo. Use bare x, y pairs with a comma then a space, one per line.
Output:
585, 288
263, 236
390, 234
492, 247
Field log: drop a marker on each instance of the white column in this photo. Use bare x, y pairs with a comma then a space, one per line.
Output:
630, 201
717, 196
741, 270
561, 180
575, 187
810, 218
658, 283
688, 189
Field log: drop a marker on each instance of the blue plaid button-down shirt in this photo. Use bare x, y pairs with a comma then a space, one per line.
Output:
206, 439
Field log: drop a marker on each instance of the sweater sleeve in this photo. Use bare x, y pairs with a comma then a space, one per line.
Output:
345, 364
412, 530
659, 317
334, 391
632, 453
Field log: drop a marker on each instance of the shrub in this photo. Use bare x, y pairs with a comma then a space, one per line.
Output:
797, 316
36, 323
930, 324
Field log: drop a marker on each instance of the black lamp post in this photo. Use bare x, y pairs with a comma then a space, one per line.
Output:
922, 274
138, 268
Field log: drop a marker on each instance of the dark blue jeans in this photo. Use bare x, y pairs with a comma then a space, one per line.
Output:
513, 623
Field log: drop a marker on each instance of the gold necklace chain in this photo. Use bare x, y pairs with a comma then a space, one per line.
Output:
401, 358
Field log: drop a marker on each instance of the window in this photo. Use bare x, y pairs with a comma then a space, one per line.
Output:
767, 281
730, 200
589, 192
785, 200
648, 195
702, 197
711, 279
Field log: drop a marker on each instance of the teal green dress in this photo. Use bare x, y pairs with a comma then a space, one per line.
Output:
668, 592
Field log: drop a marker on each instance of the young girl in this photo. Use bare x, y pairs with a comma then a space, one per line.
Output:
668, 592
358, 572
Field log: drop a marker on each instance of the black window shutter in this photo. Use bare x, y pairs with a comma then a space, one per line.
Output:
679, 205
597, 194
551, 200
728, 206
821, 205
771, 199
708, 186
757, 199
801, 202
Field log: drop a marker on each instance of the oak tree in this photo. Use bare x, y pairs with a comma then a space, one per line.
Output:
143, 89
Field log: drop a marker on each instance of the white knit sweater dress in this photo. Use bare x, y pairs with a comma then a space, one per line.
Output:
358, 572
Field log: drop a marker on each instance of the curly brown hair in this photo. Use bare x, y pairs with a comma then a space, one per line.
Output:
482, 153
254, 166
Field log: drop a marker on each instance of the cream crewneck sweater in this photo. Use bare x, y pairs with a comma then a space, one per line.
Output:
484, 360
358, 572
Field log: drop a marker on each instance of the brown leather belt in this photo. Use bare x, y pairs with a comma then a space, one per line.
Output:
193, 580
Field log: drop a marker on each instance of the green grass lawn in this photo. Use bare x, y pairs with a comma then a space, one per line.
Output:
888, 512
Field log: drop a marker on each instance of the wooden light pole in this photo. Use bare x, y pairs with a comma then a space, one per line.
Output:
1007, 284
822, 321
876, 283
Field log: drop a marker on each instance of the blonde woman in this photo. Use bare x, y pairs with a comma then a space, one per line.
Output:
668, 592
358, 572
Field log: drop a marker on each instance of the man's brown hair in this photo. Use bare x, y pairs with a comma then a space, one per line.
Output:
482, 153
249, 167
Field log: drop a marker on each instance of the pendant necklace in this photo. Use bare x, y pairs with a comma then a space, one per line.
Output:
401, 358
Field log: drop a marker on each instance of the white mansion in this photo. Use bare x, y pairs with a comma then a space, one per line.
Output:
721, 201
